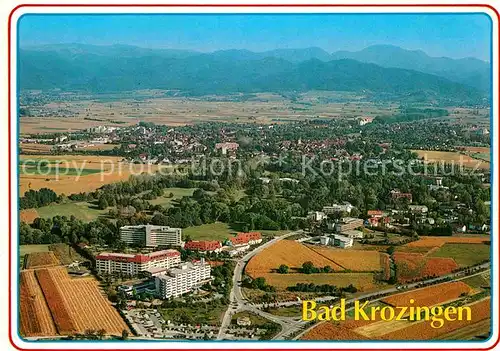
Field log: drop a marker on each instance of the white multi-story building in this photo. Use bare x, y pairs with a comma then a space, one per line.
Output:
343, 241
151, 235
337, 241
181, 280
336, 208
131, 265
317, 216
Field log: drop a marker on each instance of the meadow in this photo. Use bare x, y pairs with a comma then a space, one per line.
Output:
464, 254
449, 157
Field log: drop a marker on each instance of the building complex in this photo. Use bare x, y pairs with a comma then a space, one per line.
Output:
133, 264
183, 279
151, 235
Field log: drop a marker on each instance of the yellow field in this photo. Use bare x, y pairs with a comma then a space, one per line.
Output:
35, 317
110, 170
438, 241
455, 158
423, 330
53, 303
30, 148
354, 260
431, 295
28, 216
287, 252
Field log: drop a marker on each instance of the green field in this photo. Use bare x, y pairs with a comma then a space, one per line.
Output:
26, 249
255, 319
287, 311
221, 231
213, 231
272, 328
477, 281
81, 210
198, 314
50, 171
464, 254
178, 193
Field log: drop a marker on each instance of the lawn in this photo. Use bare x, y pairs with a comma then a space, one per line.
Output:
49, 171
81, 210
272, 328
197, 315
65, 253
288, 311
213, 231
464, 254
26, 249
221, 231
477, 281
255, 319
178, 193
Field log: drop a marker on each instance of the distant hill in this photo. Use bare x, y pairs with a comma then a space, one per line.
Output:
121, 68
469, 71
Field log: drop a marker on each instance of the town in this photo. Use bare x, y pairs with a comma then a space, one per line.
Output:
210, 195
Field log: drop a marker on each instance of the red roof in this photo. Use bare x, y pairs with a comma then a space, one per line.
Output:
245, 238
203, 245
375, 213
227, 145
138, 258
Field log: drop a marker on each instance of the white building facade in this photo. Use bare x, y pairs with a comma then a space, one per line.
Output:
130, 264
181, 280
151, 235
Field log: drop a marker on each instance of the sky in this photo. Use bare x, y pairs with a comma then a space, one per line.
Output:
451, 35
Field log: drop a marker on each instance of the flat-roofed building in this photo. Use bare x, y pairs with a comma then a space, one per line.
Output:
353, 234
348, 223
133, 264
336, 208
183, 279
151, 235
343, 241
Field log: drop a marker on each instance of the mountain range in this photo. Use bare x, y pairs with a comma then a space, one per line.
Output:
376, 69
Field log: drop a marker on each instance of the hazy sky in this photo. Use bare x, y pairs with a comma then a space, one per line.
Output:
453, 35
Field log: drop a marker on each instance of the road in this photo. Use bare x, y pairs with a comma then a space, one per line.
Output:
291, 325
237, 301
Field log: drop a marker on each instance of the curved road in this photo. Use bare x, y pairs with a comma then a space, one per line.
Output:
237, 301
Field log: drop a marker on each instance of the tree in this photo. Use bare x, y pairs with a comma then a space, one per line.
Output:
327, 269
283, 269
124, 334
259, 283
103, 203
390, 250
308, 267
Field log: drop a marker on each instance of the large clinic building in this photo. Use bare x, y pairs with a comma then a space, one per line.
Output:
132, 264
151, 235
183, 279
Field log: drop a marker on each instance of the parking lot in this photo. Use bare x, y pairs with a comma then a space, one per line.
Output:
149, 323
